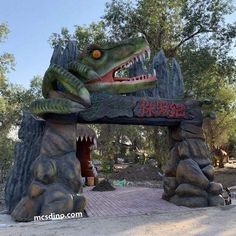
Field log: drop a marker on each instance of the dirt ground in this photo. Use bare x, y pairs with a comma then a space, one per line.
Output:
227, 175
137, 172
145, 175
204, 221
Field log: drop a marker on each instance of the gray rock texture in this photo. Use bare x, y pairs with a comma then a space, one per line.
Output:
190, 190
188, 171
26, 152
169, 184
216, 200
189, 201
55, 181
190, 162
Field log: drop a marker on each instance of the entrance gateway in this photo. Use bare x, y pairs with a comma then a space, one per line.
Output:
46, 176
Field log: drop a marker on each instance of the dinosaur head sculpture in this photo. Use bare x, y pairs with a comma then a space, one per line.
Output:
98, 69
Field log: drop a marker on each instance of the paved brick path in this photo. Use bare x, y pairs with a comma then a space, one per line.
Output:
127, 201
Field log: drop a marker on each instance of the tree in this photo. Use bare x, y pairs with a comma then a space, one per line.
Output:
6, 145
6, 63
16, 99
195, 32
220, 130
171, 24
84, 35
6, 59
13, 98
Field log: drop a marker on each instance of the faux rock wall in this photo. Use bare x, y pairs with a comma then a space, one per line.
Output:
189, 175
26, 151
46, 177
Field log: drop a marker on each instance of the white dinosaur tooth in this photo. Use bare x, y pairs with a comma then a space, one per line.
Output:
91, 139
95, 142
149, 54
143, 57
81, 138
154, 72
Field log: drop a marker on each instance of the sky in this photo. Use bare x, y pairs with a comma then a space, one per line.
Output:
32, 22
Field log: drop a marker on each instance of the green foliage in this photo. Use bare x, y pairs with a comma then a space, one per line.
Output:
36, 87
15, 99
6, 59
222, 129
94, 33
6, 144
106, 166
155, 19
203, 72
60, 39
6, 151
84, 35
170, 24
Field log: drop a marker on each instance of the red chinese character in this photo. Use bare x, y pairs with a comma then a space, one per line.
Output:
172, 110
147, 108
180, 110
162, 108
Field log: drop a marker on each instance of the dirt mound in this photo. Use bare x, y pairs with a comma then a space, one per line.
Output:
137, 172
226, 176
104, 185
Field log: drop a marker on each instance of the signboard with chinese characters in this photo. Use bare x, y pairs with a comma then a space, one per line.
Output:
118, 109
160, 108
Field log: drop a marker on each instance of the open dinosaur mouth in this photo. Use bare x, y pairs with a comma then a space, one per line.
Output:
85, 134
120, 74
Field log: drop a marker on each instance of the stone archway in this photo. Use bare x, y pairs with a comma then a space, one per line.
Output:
55, 183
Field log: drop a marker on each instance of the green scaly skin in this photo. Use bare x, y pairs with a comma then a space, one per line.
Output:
90, 74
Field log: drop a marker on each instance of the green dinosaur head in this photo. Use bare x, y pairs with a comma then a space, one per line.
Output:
108, 66
99, 69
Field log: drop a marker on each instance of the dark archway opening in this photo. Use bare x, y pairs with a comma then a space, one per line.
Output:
83, 153
86, 142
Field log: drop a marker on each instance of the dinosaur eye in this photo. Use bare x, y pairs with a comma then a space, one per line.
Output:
96, 54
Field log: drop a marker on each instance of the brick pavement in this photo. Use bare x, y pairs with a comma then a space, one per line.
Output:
127, 201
